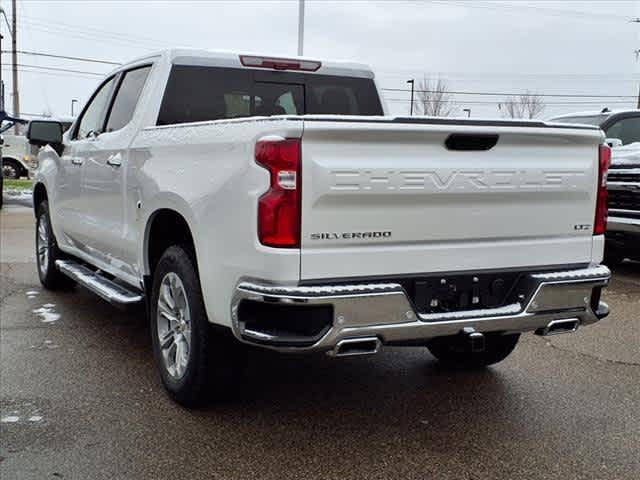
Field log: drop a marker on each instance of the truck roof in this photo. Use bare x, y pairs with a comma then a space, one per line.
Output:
230, 59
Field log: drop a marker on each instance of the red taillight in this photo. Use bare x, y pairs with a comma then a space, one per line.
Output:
600, 223
279, 208
280, 63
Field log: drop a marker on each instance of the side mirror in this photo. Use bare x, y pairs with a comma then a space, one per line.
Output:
613, 142
43, 132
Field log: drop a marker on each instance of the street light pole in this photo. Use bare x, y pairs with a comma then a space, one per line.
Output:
300, 27
73, 101
412, 82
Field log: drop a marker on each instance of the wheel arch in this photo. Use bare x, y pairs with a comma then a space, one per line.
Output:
165, 227
39, 195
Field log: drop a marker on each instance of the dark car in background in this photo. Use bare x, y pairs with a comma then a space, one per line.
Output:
622, 131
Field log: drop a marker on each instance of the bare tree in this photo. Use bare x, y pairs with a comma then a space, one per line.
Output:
433, 98
526, 105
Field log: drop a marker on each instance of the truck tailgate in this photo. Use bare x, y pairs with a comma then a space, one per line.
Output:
389, 197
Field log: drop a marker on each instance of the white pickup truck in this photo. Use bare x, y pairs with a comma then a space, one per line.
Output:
267, 201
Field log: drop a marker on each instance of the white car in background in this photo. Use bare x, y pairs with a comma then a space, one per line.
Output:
18, 157
15, 156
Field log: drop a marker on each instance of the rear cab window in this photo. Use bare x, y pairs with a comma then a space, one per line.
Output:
202, 93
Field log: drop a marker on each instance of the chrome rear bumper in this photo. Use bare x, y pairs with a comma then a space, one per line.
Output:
384, 311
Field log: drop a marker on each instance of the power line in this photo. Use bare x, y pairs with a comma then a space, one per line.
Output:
479, 102
56, 69
554, 12
52, 74
507, 94
46, 22
64, 57
491, 76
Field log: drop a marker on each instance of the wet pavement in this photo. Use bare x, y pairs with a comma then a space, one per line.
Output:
80, 399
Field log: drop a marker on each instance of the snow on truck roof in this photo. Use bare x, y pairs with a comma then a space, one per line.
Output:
221, 58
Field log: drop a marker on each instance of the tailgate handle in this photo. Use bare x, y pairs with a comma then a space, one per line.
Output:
471, 141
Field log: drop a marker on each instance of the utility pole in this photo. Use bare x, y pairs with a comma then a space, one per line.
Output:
300, 27
1, 84
412, 82
14, 60
637, 52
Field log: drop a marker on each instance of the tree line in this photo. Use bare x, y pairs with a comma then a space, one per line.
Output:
434, 98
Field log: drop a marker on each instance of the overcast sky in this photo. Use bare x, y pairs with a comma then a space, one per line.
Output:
547, 47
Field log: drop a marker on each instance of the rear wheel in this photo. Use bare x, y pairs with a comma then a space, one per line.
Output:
197, 361
456, 351
47, 252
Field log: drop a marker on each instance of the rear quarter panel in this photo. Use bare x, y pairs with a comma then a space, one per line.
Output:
207, 173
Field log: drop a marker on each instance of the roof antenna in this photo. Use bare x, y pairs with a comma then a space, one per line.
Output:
605, 110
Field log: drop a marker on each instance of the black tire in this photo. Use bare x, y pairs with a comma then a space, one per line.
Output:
49, 275
11, 169
455, 352
215, 359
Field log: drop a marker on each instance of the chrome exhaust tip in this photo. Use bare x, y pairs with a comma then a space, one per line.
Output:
556, 327
351, 347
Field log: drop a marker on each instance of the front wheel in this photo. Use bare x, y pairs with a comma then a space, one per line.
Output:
196, 360
456, 351
47, 252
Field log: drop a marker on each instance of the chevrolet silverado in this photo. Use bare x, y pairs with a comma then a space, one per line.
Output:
247, 199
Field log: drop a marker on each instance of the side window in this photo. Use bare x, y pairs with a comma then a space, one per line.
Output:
627, 130
127, 98
93, 116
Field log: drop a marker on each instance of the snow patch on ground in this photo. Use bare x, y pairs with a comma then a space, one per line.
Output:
10, 419
20, 194
47, 314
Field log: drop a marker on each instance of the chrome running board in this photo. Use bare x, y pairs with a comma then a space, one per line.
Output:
98, 284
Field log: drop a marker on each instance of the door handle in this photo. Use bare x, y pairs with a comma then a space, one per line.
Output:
77, 161
114, 161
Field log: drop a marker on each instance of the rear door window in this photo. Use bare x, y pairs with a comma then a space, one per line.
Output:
196, 93
127, 97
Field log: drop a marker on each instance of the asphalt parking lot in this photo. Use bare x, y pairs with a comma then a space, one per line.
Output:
80, 399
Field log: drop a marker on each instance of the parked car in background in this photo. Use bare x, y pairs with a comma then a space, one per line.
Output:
270, 201
622, 132
16, 156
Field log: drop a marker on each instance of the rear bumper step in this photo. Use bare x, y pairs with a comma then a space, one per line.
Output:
359, 314
98, 284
